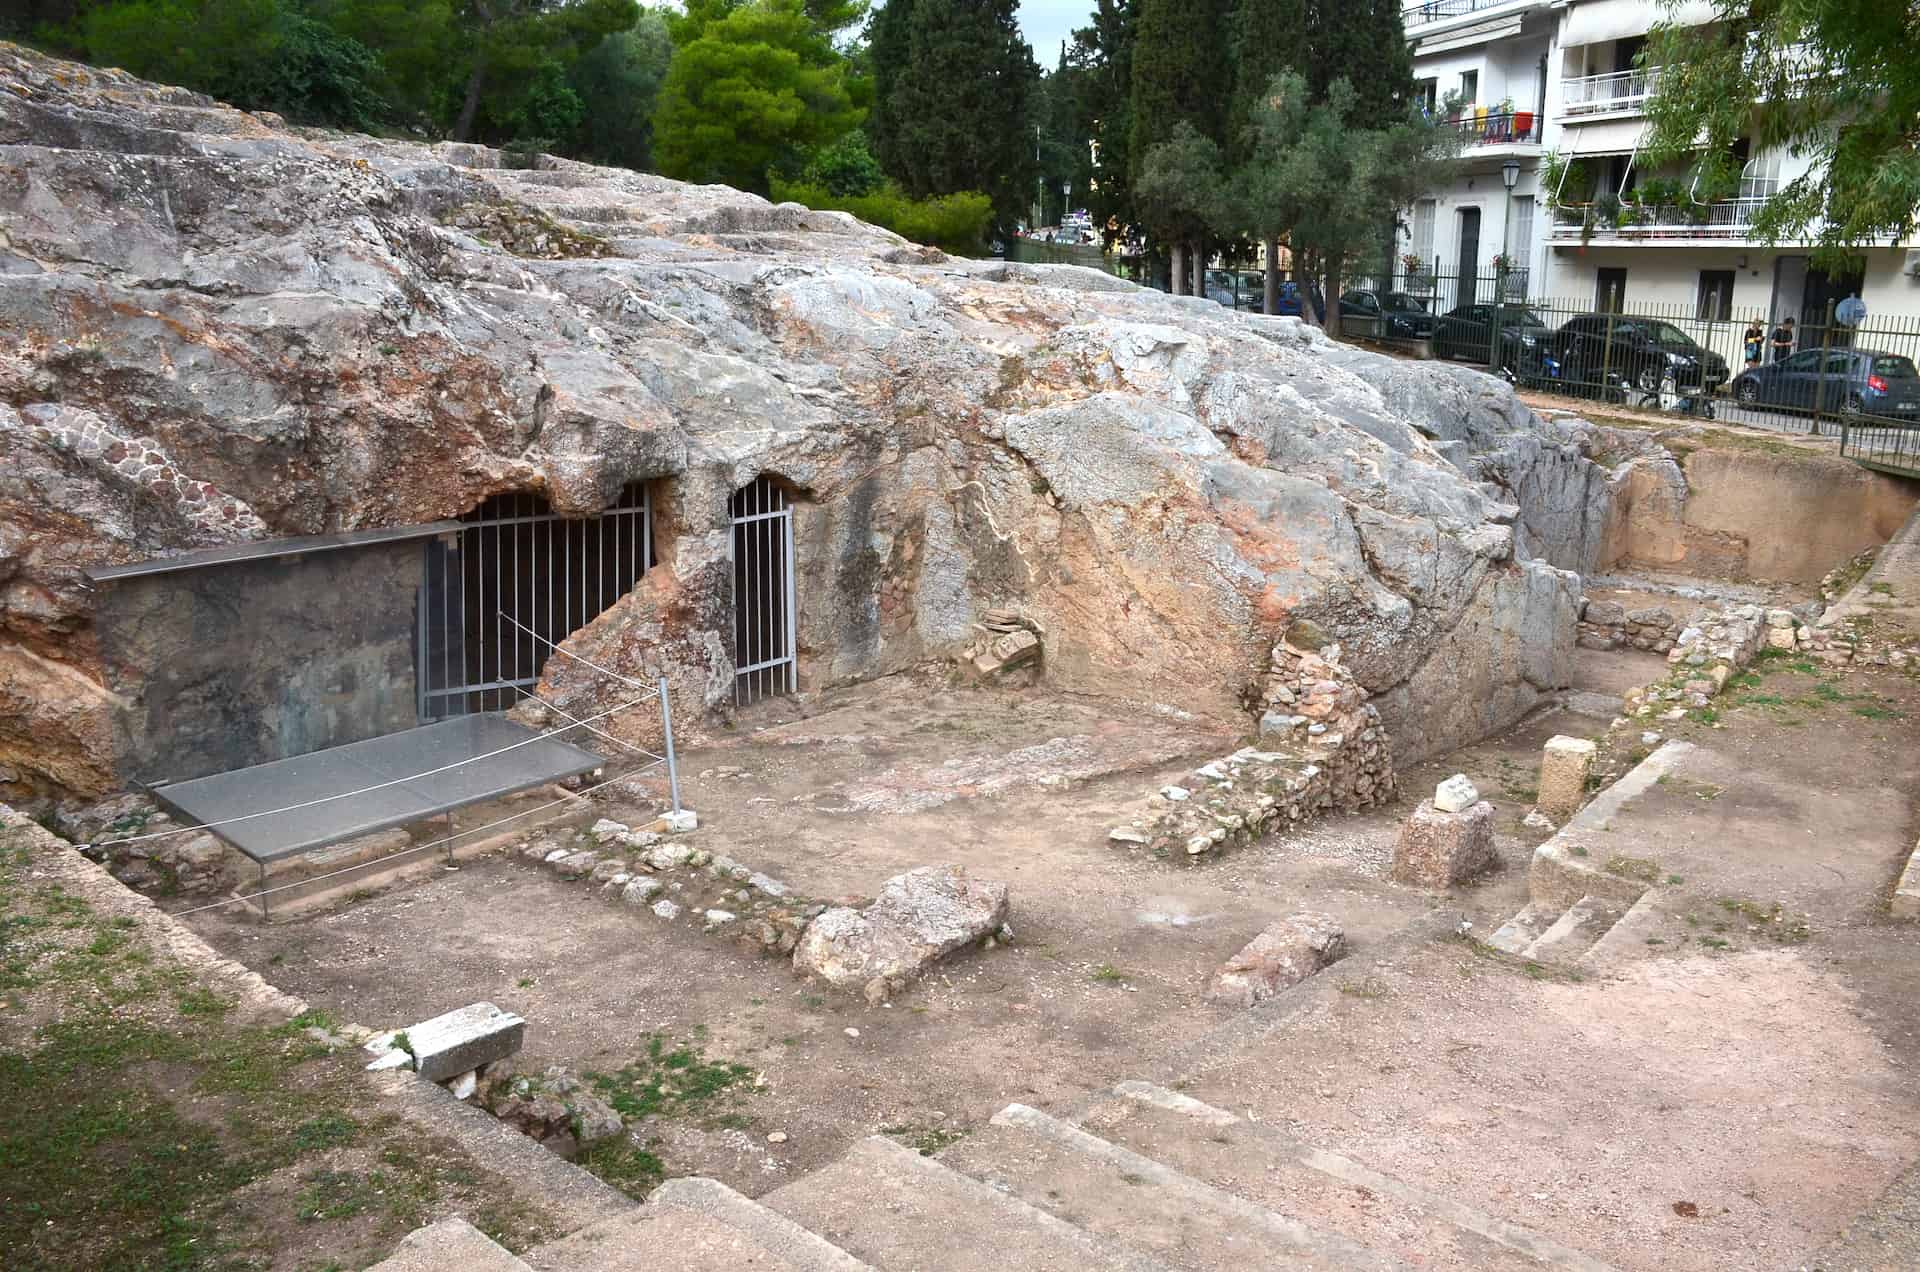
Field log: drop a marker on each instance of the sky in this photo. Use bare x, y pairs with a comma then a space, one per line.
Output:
1047, 22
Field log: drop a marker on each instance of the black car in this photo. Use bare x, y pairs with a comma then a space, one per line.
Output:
1395, 314
1466, 331
1654, 356
1851, 381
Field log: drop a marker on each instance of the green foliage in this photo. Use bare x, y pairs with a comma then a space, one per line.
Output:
955, 222
1102, 57
1178, 189
846, 169
1834, 80
954, 86
619, 80
755, 87
1179, 70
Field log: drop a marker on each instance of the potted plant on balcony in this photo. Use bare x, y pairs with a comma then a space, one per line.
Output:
1500, 123
1419, 274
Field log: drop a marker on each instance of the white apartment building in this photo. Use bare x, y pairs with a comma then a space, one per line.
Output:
1611, 231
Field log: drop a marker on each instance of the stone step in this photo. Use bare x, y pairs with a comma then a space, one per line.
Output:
1127, 1198
693, 1225
1324, 1189
450, 1245
1627, 939
902, 1212
1520, 931
1573, 933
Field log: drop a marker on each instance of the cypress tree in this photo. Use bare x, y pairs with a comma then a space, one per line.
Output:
889, 45
1181, 75
959, 110
1103, 53
1363, 42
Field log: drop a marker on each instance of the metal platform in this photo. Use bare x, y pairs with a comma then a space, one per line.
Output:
316, 780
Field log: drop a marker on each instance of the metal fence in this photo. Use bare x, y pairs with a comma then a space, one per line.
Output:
1822, 375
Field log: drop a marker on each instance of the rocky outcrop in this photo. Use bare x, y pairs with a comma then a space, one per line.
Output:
219, 329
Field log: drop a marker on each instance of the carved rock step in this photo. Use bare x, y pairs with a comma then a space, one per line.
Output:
1333, 1193
1574, 932
1133, 1200
451, 1245
693, 1225
1524, 928
902, 1212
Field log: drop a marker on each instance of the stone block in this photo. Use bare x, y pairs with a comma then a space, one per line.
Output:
1605, 613
1565, 764
1456, 794
918, 918
1780, 637
1285, 954
1438, 849
449, 1045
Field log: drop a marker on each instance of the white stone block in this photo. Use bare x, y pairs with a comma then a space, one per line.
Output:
1456, 794
450, 1044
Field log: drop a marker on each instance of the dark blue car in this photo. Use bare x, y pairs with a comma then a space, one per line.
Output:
1848, 381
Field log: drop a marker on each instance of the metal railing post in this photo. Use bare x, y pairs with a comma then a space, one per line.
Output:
666, 724
1820, 381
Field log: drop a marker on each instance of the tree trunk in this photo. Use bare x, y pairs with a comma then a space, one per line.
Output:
1332, 323
1270, 302
1199, 267
1176, 279
470, 108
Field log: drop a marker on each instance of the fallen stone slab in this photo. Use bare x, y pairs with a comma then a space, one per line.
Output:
918, 918
449, 1045
1288, 952
1438, 849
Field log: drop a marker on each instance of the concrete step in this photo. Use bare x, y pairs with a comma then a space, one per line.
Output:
1520, 931
693, 1225
902, 1212
1626, 940
1131, 1199
1574, 933
450, 1245
1326, 1190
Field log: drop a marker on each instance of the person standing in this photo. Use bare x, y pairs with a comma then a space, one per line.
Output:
1755, 337
1783, 340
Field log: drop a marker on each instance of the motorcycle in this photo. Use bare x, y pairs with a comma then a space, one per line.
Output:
1547, 374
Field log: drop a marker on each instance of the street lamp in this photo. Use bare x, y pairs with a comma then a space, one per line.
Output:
1509, 177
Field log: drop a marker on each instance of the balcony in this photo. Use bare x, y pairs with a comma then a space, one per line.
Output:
1422, 12
1495, 128
1598, 94
1729, 220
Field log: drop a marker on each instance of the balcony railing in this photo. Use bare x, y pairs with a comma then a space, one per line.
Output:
1492, 128
1621, 90
1726, 219
1422, 11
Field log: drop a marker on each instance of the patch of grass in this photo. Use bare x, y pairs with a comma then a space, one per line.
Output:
1577, 851
329, 1130
925, 1140
1526, 967
669, 1080
1107, 974
1874, 711
1775, 922
1370, 987
525, 982
1716, 943
1881, 589
633, 1169
336, 1194
1642, 869
199, 1001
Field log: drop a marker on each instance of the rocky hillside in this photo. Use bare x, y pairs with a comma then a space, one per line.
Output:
218, 327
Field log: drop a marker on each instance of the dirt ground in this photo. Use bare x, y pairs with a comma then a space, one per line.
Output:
1755, 1078
833, 796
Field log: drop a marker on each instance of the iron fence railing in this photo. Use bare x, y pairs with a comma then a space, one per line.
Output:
1481, 127
1822, 376
1423, 11
1721, 219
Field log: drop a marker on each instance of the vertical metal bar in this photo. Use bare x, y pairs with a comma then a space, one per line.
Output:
446, 622
666, 726
423, 597
480, 536
793, 643
540, 650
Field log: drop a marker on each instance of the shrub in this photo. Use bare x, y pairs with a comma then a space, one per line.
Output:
955, 222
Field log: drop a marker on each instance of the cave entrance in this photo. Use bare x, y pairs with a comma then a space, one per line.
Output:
763, 605
515, 580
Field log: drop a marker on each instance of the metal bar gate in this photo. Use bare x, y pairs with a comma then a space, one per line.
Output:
763, 602
515, 559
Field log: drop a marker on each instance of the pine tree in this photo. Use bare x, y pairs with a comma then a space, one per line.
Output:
1102, 54
959, 110
1180, 76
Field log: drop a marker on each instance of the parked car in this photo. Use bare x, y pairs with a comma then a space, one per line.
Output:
1466, 331
1394, 314
1289, 305
1853, 381
1654, 356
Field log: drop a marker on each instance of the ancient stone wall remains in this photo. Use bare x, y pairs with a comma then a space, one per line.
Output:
1610, 625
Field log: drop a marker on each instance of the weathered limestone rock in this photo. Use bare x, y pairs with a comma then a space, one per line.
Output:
451, 1044
1565, 765
1288, 952
1132, 493
1456, 794
1439, 849
918, 918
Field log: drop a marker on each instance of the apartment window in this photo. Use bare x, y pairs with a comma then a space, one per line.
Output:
1610, 291
1427, 93
1521, 231
1760, 179
1469, 87
1716, 295
1423, 215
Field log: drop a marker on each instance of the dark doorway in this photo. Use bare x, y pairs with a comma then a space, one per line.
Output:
1469, 255
1824, 289
1610, 291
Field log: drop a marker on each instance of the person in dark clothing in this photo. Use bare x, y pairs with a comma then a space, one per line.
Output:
1755, 337
1783, 340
